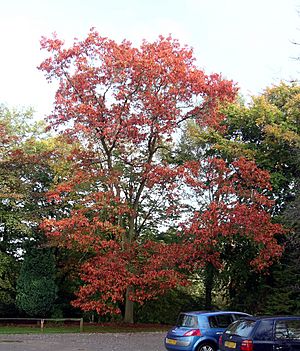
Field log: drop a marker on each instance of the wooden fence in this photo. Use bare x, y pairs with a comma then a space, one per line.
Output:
42, 321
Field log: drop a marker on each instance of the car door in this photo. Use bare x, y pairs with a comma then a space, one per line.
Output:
287, 335
286, 345
263, 339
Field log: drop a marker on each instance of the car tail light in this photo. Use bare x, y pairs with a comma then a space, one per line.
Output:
220, 340
193, 332
247, 345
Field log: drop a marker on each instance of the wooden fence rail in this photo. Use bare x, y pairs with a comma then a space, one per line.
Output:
43, 320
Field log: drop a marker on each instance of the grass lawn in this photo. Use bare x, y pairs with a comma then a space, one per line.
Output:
95, 328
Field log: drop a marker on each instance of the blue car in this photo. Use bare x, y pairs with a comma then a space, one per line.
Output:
280, 333
200, 330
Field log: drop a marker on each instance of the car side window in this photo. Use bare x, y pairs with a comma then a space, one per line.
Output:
281, 331
213, 323
186, 320
264, 331
220, 321
294, 329
288, 329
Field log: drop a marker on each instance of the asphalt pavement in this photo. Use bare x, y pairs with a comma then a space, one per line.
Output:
83, 342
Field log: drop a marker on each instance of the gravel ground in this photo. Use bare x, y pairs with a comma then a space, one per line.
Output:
83, 342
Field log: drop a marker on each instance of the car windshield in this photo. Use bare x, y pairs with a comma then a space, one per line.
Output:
241, 328
187, 320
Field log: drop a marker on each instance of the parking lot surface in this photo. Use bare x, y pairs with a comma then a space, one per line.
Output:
83, 342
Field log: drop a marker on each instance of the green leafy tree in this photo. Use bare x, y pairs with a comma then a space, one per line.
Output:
166, 308
24, 177
8, 276
36, 288
30, 161
284, 282
267, 131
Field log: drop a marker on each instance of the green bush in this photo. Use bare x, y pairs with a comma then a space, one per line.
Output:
8, 276
166, 308
36, 288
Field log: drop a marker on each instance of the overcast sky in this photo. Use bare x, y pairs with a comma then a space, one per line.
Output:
248, 41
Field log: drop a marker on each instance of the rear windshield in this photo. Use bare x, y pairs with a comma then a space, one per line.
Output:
186, 320
241, 328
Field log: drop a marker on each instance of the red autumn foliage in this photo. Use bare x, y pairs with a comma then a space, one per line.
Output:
236, 204
148, 269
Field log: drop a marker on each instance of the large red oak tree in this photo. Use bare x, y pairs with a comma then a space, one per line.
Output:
122, 105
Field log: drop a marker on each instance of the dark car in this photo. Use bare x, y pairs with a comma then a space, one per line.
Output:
200, 330
262, 334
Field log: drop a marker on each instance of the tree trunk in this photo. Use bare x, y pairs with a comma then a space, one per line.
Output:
128, 317
209, 282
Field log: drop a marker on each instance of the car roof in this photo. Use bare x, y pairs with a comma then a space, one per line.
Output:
214, 313
257, 318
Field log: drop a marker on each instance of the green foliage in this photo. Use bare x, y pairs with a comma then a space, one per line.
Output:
283, 292
270, 129
166, 308
8, 276
68, 281
247, 295
28, 168
267, 131
284, 281
20, 122
24, 177
238, 282
36, 288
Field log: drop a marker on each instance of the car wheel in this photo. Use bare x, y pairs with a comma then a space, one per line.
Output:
206, 347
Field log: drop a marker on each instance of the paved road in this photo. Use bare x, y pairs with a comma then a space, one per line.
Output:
83, 342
